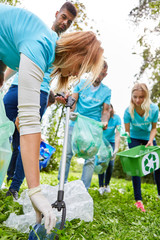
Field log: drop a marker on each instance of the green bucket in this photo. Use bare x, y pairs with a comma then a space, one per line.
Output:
140, 160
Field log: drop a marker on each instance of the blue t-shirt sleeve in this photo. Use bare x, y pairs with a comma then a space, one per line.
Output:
42, 51
127, 116
24, 32
108, 96
79, 86
118, 122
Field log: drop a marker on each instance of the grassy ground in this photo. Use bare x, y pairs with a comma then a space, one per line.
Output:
115, 216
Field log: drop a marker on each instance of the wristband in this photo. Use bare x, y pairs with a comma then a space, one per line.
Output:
34, 190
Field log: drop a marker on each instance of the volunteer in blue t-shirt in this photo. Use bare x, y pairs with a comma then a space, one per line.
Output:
27, 45
140, 120
91, 101
63, 20
112, 135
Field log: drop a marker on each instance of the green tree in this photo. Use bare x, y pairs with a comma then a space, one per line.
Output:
10, 2
54, 133
148, 10
150, 51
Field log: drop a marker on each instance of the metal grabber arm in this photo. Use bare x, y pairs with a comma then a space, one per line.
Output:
60, 204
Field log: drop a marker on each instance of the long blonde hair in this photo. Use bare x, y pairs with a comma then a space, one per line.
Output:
146, 103
81, 48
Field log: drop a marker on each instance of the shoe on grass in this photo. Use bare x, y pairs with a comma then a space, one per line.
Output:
107, 189
139, 204
12, 192
101, 190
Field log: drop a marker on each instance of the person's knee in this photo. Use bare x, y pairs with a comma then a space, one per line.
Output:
89, 163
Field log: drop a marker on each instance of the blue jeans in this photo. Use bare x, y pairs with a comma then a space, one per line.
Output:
136, 181
107, 175
11, 103
88, 167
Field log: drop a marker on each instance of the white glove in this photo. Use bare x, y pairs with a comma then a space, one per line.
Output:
42, 206
73, 116
114, 153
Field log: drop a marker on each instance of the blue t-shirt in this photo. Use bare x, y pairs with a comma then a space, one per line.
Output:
109, 133
90, 102
139, 127
45, 85
23, 32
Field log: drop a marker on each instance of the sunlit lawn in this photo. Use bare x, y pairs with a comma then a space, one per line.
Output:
115, 216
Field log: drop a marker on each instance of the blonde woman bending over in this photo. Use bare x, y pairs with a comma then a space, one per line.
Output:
27, 45
140, 120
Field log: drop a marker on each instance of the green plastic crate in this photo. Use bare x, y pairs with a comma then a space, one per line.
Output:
140, 160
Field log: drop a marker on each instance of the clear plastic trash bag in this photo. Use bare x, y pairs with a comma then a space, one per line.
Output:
79, 205
103, 157
124, 134
86, 137
6, 130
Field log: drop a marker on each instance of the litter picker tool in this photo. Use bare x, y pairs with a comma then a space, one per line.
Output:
39, 232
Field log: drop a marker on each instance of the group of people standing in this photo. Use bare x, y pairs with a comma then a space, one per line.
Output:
39, 57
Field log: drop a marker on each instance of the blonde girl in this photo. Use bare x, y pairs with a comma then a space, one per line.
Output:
140, 120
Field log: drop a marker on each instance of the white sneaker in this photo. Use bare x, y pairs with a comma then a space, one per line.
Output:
101, 190
107, 189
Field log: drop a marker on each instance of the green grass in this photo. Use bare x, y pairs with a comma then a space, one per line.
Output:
115, 216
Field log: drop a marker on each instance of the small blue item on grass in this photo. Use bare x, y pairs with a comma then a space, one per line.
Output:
46, 152
39, 232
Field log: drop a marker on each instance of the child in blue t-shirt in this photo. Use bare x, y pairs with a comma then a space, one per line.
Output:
140, 120
112, 135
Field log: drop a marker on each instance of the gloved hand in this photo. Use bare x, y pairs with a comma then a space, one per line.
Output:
73, 116
114, 153
42, 206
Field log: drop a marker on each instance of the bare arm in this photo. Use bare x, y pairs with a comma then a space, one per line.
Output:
127, 128
76, 96
117, 139
8, 74
105, 115
152, 135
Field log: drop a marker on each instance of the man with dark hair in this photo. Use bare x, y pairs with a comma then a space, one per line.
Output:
63, 20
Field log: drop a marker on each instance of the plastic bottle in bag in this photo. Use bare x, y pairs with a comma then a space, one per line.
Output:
103, 157
86, 137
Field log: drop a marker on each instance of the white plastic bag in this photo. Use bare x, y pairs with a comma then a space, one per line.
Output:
79, 204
